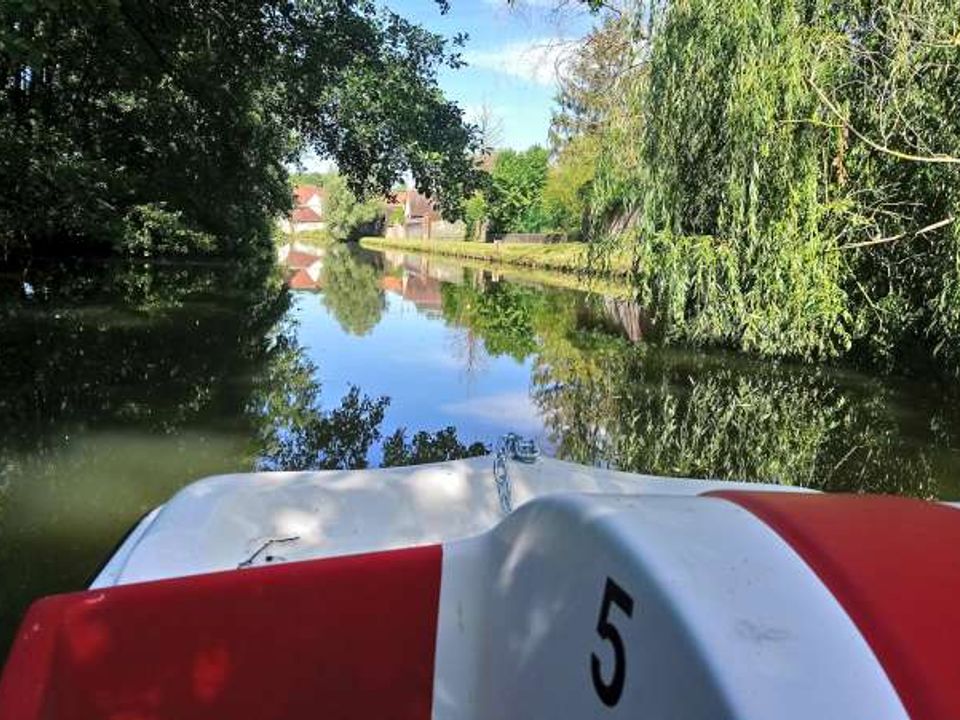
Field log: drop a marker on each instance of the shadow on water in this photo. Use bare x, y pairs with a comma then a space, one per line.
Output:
121, 383
117, 384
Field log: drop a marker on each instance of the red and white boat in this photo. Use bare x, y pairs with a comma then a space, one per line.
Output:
538, 589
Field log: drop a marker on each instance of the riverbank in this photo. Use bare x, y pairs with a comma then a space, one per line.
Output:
616, 287
570, 258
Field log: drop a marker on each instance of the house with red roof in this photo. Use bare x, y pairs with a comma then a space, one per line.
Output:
309, 203
421, 218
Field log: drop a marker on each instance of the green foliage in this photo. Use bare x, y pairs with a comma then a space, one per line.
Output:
154, 230
397, 217
351, 291
345, 215
476, 212
197, 109
770, 166
568, 184
517, 181
721, 213
428, 447
320, 179
501, 314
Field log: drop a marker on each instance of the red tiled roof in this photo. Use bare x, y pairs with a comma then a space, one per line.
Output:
301, 280
305, 214
300, 259
423, 292
303, 193
392, 284
420, 205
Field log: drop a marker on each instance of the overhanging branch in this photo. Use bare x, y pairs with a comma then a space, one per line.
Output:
938, 158
893, 238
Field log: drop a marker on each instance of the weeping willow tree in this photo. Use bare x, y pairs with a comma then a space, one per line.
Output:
787, 174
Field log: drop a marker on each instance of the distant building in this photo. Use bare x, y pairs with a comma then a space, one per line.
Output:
419, 207
309, 204
421, 218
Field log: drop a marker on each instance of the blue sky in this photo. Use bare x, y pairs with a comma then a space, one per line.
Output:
512, 52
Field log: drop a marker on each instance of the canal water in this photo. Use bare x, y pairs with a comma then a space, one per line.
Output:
121, 383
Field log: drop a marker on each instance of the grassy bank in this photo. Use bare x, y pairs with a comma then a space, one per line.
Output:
560, 257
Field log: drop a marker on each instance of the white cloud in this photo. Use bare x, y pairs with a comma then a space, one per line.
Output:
540, 61
517, 408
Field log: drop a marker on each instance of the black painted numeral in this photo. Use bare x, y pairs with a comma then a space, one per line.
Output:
610, 692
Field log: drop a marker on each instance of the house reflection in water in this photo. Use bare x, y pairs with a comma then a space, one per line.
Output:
419, 279
392, 284
304, 264
422, 291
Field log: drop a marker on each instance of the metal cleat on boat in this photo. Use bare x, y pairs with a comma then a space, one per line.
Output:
511, 446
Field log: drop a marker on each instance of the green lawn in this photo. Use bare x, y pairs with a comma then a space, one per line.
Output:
562, 257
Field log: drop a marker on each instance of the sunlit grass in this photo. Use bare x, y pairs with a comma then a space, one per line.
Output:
561, 257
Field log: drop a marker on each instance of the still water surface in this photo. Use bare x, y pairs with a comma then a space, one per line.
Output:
121, 383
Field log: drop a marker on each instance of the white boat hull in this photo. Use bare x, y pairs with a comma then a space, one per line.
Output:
220, 522
437, 592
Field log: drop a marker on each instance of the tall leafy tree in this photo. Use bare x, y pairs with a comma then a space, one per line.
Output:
109, 111
516, 190
590, 81
785, 173
568, 183
347, 215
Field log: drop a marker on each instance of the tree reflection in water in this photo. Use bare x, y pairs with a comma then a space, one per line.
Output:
352, 291
294, 432
609, 396
157, 348
425, 447
147, 347
121, 383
